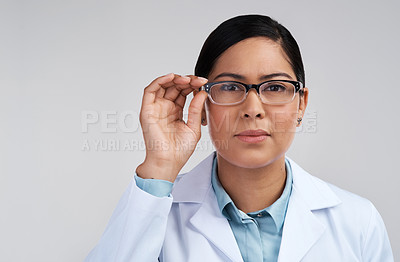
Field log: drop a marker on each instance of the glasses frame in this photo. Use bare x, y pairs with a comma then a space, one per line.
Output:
207, 87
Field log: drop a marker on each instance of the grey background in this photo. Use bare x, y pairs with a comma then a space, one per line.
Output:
59, 59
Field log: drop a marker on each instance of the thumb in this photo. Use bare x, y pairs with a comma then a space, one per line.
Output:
195, 108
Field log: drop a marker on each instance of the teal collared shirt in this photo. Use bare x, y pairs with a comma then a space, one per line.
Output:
258, 234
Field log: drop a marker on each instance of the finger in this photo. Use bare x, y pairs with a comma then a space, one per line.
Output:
197, 81
180, 100
195, 109
160, 93
173, 91
175, 87
181, 82
150, 91
178, 79
187, 91
194, 80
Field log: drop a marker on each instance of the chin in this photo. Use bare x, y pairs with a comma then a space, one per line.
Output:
249, 158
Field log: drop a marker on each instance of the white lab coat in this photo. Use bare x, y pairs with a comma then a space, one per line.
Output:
323, 223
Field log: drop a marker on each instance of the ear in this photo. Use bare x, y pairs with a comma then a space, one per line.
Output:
302, 104
203, 111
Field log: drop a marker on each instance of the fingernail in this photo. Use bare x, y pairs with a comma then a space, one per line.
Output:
203, 79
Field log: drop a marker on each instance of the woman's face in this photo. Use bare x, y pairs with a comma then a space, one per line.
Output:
253, 61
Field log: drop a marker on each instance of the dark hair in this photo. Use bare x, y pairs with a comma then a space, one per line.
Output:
241, 27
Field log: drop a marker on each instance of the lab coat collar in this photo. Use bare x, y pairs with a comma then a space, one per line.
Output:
313, 191
301, 228
194, 185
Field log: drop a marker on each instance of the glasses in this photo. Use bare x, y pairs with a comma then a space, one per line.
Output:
273, 92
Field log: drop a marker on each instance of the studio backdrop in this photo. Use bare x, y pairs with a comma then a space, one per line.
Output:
72, 79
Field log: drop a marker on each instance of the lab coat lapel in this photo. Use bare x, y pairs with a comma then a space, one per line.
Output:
302, 229
195, 189
209, 221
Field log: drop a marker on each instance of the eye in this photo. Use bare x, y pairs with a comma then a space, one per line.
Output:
275, 88
230, 87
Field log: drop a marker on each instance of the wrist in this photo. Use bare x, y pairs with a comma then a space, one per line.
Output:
156, 170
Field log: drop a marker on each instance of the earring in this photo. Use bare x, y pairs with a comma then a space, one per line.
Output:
299, 120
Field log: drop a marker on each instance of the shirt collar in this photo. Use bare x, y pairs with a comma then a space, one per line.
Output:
277, 210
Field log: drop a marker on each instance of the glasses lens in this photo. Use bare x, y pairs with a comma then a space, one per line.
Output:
227, 92
277, 92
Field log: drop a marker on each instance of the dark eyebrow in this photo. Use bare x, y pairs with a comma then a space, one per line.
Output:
264, 77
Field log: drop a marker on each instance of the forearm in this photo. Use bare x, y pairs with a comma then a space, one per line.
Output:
136, 229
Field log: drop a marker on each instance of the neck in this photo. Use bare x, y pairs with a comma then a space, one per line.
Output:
252, 189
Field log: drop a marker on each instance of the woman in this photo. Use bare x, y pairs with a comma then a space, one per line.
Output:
246, 201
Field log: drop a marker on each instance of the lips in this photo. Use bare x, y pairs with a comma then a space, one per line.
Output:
258, 132
252, 136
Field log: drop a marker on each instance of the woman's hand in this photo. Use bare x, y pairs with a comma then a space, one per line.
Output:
169, 140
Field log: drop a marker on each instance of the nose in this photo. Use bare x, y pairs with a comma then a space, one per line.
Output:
252, 106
